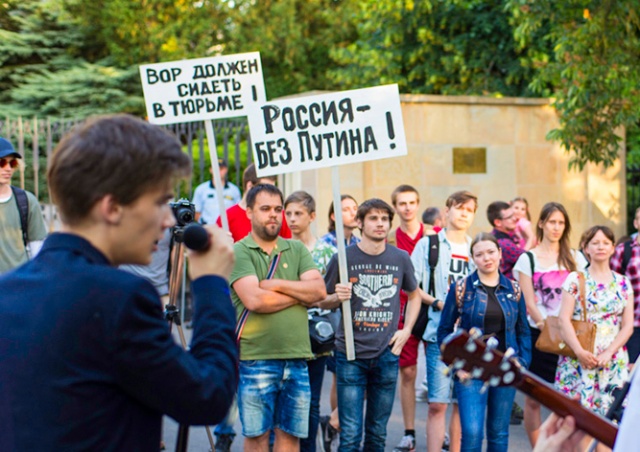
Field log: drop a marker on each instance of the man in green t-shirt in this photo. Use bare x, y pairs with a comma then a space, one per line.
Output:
13, 251
273, 282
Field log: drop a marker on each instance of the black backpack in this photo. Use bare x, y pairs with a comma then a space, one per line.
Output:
423, 317
23, 207
626, 256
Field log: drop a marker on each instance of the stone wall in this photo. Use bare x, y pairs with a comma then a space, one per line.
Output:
519, 162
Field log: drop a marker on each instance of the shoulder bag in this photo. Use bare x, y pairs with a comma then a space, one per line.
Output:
550, 340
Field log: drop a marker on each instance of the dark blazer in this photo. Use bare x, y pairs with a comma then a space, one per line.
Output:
87, 361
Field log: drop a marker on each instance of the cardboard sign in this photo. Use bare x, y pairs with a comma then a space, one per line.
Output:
326, 130
203, 88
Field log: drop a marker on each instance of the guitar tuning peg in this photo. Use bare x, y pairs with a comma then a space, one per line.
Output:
508, 377
484, 387
494, 381
477, 372
492, 343
459, 364
475, 333
505, 365
471, 345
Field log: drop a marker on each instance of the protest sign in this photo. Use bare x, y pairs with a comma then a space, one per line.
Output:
326, 130
203, 88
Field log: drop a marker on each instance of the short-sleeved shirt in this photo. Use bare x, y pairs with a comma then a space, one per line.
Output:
322, 253
332, 239
375, 302
12, 251
511, 251
277, 335
240, 225
547, 282
206, 204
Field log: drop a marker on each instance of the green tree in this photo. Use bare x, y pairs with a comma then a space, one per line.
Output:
435, 47
294, 38
593, 73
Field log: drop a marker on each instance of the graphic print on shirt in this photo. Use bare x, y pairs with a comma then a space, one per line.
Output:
376, 286
459, 267
548, 289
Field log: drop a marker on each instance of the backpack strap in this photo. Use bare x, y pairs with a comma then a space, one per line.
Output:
461, 287
517, 291
434, 252
23, 208
626, 256
242, 320
531, 263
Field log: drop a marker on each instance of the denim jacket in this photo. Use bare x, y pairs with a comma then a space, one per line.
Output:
420, 261
474, 306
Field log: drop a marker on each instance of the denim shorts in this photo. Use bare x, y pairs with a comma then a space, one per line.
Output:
274, 393
439, 384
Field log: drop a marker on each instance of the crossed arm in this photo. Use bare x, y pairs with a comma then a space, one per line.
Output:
274, 295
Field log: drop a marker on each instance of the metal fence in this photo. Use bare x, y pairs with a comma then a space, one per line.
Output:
36, 138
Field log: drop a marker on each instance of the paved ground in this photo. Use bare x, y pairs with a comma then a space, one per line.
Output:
199, 442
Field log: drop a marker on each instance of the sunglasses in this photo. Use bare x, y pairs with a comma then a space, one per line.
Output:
12, 163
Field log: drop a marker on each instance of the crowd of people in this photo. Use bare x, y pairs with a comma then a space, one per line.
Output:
408, 287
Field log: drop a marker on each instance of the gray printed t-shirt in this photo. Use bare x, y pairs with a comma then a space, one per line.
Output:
375, 302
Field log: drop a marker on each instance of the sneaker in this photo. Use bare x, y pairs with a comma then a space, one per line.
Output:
422, 395
406, 444
329, 434
223, 443
516, 411
447, 442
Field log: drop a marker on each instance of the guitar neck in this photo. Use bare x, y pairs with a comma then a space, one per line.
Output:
597, 426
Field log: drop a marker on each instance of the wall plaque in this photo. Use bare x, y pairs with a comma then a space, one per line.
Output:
469, 160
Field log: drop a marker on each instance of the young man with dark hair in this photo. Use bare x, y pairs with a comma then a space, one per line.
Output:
300, 212
452, 263
205, 196
18, 241
90, 355
239, 223
349, 207
501, 216
274, 281
377, 272
406, 203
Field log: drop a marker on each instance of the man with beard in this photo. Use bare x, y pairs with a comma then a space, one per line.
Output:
274, 281
377, 272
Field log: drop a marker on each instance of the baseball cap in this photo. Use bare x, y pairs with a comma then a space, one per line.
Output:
222, 162
7, 150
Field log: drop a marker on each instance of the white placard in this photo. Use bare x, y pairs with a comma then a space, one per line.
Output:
203, 88
326, 130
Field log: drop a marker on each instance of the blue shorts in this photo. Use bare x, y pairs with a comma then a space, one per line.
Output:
274, 393
439, 384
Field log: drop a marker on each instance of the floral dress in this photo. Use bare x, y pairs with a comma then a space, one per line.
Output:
605, 304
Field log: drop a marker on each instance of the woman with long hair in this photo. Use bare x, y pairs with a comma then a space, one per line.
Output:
495, 305
541, 273
608, 298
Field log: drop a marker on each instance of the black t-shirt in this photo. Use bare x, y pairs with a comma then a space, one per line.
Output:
494, 323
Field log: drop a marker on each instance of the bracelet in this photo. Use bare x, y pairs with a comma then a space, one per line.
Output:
434, 305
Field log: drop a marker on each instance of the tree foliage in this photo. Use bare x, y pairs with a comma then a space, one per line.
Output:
594, 72
435, 47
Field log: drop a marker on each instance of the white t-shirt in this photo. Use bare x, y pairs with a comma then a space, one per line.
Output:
547, 282
459, 267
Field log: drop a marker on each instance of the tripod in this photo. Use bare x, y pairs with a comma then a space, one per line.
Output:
172, 314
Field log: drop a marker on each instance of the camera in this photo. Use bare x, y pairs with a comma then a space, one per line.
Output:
184, 211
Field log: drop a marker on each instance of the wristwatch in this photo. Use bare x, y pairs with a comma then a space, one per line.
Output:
434, 305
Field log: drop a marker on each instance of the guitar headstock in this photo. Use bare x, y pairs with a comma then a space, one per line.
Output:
463, 350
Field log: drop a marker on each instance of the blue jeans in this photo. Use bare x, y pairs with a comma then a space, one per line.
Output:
377, 379
274, 393
494, 405
316, 375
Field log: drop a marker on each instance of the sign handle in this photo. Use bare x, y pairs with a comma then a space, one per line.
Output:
342, 261
215, 171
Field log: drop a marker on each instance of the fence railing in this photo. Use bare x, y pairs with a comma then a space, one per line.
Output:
36, 138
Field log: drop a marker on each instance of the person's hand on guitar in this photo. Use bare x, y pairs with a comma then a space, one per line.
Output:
587, 359
558, 435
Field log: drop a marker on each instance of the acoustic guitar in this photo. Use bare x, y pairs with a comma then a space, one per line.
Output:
464, 350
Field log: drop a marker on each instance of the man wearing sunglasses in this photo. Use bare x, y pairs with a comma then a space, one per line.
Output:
16, 244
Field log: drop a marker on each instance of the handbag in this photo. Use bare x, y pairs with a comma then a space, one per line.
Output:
322, 331
550, 340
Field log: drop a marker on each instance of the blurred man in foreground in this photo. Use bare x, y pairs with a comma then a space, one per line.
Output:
86, 360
